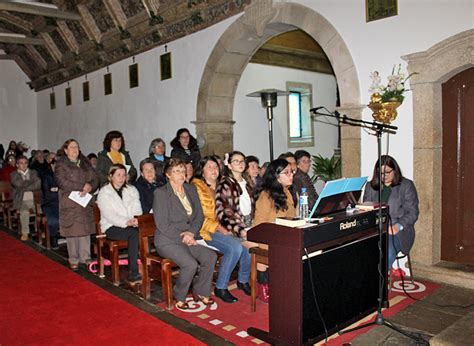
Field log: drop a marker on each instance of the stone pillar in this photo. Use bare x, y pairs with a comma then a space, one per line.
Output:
351, 142
218, 136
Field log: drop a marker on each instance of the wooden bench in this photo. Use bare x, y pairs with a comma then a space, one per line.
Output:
41, 221
257, 255
6, 204
147, 228
107, 249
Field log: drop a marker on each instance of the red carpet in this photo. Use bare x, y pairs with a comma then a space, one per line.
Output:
231, 321
42, 302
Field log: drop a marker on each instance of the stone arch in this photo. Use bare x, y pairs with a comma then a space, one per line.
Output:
434, 67
261, 21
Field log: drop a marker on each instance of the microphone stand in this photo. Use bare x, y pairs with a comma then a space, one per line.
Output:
379, 129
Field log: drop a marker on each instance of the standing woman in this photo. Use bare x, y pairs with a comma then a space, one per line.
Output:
119, 204
234, 197
178, 218
185, 147
274, 199
114, 152
73, 172
401, 196
218, 236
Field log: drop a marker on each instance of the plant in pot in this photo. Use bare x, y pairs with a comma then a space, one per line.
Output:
326, 168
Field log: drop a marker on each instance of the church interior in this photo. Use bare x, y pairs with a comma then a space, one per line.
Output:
80, 69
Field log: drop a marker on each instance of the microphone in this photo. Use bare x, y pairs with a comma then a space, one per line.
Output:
316, 109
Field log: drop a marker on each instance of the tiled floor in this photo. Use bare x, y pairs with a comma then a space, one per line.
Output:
444, 318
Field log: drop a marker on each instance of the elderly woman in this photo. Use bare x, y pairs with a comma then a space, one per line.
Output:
218, 236
119, 204
157, 152
274, 200
74, 173
178, 219
114, 152
185, 147
401, 196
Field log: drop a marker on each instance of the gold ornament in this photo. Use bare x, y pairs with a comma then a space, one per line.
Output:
384, 112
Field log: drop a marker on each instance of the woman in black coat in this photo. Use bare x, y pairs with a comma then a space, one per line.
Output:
185, 148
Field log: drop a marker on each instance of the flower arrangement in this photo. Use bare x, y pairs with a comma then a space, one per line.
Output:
395, 87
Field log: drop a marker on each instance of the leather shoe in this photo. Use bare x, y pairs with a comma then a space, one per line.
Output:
224, 294
244, 287
263, 292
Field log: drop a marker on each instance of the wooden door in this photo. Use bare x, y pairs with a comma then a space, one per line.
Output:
457, 234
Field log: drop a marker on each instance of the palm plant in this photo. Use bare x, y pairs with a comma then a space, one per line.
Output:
325, 168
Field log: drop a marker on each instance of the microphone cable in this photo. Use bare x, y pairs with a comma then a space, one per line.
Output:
315, 297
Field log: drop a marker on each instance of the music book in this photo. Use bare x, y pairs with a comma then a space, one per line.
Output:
367, 206
290, 221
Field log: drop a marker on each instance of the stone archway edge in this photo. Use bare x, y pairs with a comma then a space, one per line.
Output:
262, 20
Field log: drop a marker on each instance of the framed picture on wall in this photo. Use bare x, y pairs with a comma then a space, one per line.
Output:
379, 9
165, 66
85, 91
133, 75
108, 84
52, 100
68, 96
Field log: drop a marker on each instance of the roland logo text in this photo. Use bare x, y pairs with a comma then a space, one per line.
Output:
347, 225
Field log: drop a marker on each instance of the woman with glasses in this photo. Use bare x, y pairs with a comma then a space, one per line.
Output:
401, 196
218, 236
274, 199
178, 218
234, 197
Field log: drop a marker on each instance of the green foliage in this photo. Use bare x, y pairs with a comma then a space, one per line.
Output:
325, 168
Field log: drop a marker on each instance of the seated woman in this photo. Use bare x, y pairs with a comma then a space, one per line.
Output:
119, 204
178, 218
234, 197
401, 196
218, 236
274, 200
147, 184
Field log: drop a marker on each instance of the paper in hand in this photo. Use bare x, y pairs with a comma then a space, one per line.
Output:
82, 201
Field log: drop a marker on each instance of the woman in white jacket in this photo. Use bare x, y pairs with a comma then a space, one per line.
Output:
119, 204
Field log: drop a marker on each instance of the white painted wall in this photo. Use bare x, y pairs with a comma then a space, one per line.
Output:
17, 106
154, 109
158, 108
251, 126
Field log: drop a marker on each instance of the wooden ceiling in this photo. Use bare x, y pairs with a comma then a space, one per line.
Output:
65, 39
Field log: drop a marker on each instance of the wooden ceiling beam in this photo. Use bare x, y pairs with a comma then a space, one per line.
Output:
38, 10
36, 56
51, 47
15, 20
89, 24
116, 12
7, 57
152, 6
7, 38
68, 36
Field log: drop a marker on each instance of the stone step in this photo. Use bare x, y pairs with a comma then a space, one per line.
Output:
459, 333
445, 275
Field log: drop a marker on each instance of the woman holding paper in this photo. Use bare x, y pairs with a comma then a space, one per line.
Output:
114, 152
119, 204
76, 177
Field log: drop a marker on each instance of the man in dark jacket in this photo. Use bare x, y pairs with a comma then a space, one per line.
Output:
302, 178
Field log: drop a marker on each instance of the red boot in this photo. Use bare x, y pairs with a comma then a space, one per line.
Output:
263, 292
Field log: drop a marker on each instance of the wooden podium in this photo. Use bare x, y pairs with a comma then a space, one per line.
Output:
338, 261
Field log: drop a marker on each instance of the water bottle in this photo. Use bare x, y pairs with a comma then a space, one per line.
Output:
303, 204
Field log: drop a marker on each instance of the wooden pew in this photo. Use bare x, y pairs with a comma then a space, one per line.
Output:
147, 228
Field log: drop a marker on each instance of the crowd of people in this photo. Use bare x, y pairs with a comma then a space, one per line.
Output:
201, 205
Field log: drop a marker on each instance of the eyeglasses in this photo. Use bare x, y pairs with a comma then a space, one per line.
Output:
237, 162
179, 171
386, 173
288, 173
